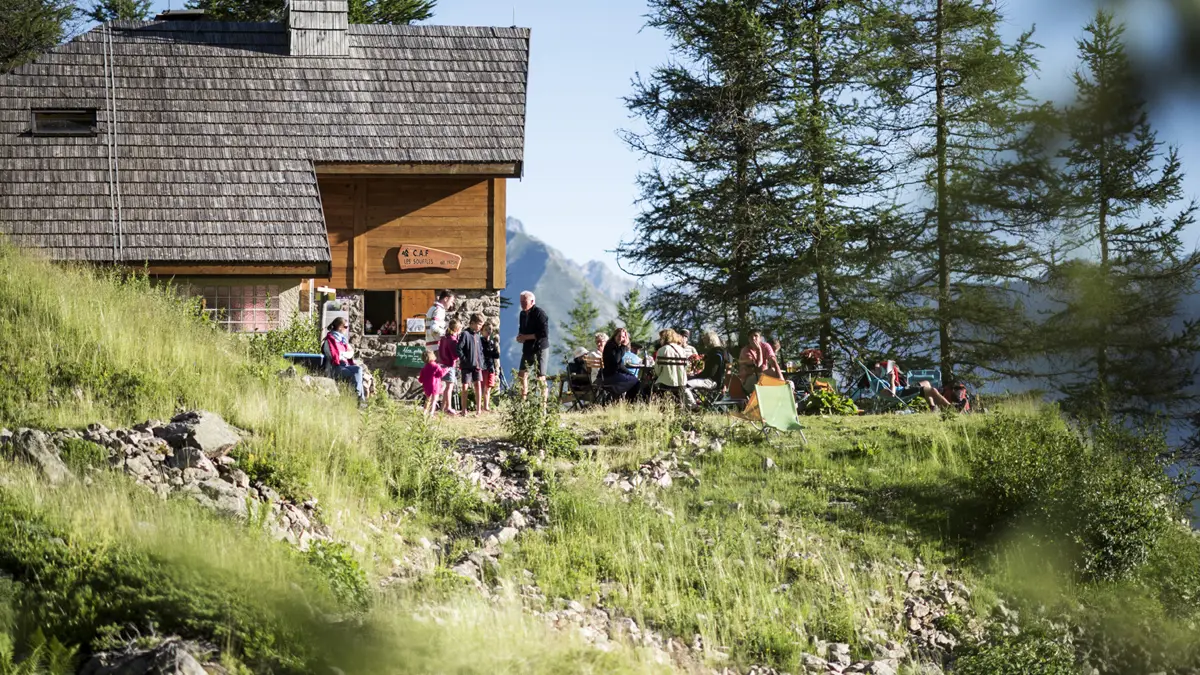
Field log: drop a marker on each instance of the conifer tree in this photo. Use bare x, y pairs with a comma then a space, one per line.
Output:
361, 11
966, 117
844, 185
1114, 334
104, 11
579, 329
30, 27
719, 194
632, 314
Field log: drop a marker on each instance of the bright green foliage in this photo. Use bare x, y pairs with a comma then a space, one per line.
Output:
828, 402
580, 327
264, 464
537, 426
361, 11
345, 577
632, 314
1106, 497
80, 455
1118, 346
1027, 653
30, 27
120, 10
962, 111
302, 334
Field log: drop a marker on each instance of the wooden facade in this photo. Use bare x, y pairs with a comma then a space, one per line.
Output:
369, 216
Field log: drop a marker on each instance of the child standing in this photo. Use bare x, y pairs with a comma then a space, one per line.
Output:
470, 351
448, 357
491, 362
431, 380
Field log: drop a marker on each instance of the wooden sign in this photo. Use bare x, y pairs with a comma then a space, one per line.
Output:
414, 257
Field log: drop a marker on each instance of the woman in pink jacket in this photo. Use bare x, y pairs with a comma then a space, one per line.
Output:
341, 355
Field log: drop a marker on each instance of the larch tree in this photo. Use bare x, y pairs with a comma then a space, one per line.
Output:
31, 27
967, 119
579, 328
1115, 333
717, 200
119, 10
361, 11
831, 52
632, 314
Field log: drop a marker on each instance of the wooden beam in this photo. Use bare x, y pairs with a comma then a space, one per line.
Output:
497, 231
227, 270
510, 169
358, 256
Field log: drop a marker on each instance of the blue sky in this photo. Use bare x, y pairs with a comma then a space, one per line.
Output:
579, 191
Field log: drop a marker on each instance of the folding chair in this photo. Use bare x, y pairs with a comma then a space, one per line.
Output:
735, 397
772, 408
680, 393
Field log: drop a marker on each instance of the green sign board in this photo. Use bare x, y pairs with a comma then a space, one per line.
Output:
410, 356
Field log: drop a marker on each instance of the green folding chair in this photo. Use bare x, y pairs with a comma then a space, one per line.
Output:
772, 408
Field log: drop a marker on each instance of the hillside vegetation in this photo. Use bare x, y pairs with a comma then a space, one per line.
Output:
617, 540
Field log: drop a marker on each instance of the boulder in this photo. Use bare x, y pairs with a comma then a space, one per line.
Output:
220, 496
191, 458
202, 430
170, 657
35, 448
322, 385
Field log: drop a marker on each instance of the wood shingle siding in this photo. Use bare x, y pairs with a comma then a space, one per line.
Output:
218, 129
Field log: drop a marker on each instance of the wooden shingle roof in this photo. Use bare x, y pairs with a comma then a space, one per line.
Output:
218, 129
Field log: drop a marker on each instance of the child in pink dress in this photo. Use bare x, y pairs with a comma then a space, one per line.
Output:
431, 380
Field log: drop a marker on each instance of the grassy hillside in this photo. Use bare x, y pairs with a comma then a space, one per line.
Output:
1000, 543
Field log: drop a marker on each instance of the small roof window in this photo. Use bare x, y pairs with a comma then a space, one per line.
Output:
63, 122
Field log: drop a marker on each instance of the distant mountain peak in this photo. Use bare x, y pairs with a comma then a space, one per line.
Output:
514, 225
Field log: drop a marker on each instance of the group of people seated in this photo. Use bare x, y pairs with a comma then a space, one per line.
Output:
630, 371
952, 396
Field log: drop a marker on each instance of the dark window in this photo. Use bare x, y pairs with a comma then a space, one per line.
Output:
80, 122
379, 312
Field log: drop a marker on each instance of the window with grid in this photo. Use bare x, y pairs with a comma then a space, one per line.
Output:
243, 309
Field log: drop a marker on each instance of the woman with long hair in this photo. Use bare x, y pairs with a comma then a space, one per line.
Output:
616, 374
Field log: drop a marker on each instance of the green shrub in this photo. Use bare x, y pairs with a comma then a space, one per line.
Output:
828, 402
418, 468
80, 455
536, 426
1030, 652
341, 571
263, 465
39, 656
1106, 495
301, 334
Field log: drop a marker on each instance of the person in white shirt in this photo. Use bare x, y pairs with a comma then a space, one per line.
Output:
436, 320
597, 355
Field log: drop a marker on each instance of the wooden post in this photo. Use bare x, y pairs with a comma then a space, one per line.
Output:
497, 232
358, 256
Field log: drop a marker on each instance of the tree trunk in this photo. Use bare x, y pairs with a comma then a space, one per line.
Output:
819, 167
945, 346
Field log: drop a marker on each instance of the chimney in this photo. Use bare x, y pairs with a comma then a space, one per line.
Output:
318, 27
182, 15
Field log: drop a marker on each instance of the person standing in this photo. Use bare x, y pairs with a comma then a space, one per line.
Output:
448, 357
491, 361
436, 320
470, 352
533, 332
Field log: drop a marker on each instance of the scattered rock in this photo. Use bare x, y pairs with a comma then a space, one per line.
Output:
768, 464
506, 534
36, 449
170, 657
517, 520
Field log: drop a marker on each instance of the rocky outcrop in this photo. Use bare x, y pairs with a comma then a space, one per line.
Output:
186, 457
35, 448
170, 657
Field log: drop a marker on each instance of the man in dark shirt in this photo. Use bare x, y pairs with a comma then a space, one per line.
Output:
534, 335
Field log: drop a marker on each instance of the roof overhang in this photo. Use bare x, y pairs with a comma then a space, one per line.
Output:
226, 269
502, 169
